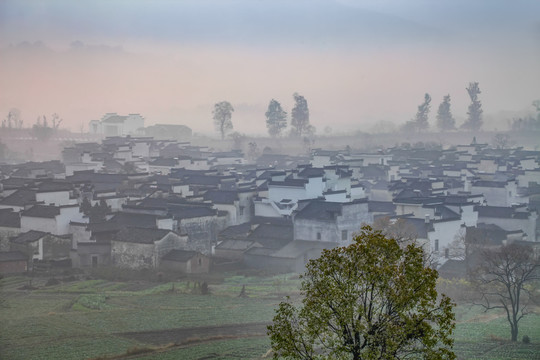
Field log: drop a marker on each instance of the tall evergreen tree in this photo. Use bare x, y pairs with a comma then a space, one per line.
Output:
421, 120
474, 119
276, 118
300, 116
445, 119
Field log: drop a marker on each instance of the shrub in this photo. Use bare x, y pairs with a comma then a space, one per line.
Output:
52, 281
526, 339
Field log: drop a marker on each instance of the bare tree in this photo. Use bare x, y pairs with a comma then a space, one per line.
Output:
398, 229
502, 278
502, 141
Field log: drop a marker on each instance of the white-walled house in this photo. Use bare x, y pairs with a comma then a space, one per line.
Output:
112, 124
330, 221
497, 193
50, 218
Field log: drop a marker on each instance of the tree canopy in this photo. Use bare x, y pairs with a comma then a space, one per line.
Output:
300, 116
276, 118
445, 119
222, 115
371, 300
474, 119
422, 115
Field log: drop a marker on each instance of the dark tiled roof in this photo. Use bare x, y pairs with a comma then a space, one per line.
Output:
272, 236
238, 245
289, 183
486, 183
500, 212
123, 219
381, 206
9, 218
188, 212
42, 211
54, 186
453, 269
140, 235
6, 256
16, 182
179, 255
164, 162
310, 172
28, 237
20, 198
221, 196
320, 210
92, 177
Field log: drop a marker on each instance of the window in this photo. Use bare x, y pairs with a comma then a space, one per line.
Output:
436, 245
241, 210
344, 235
318, 236
200, 261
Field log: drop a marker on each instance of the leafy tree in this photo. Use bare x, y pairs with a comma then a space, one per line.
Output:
445, 119
129, 167
474, 119
502, 280
238, 140
300, 116
276, 118
96, 213
370, 300
421, 120
253, 151
222, 117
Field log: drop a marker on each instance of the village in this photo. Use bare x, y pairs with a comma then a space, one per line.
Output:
137, 202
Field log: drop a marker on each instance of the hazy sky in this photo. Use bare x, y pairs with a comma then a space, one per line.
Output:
356, 62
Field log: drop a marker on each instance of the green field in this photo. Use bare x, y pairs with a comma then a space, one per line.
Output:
90, 319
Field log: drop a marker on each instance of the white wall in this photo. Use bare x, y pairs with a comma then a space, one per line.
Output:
54, 197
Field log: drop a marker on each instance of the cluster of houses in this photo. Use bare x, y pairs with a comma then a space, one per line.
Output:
138, 202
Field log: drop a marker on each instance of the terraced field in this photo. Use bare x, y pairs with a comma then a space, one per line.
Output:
91, 319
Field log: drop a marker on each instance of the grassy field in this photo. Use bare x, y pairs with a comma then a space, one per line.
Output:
91, 319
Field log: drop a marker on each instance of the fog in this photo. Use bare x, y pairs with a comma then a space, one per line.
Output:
356, 63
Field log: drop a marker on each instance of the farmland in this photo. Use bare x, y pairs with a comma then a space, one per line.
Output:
94, 318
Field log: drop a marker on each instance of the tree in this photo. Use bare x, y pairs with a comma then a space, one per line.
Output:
370, 300
474, 119
445, 119
502, 277
399, 229
96, 213
13, 119
222, 117
276, 118
501, 141
300, 116
421, 120
253, 151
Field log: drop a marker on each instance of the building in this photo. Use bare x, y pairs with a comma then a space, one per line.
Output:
112, 124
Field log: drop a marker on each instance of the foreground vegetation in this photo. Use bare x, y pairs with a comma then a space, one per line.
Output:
95, 318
